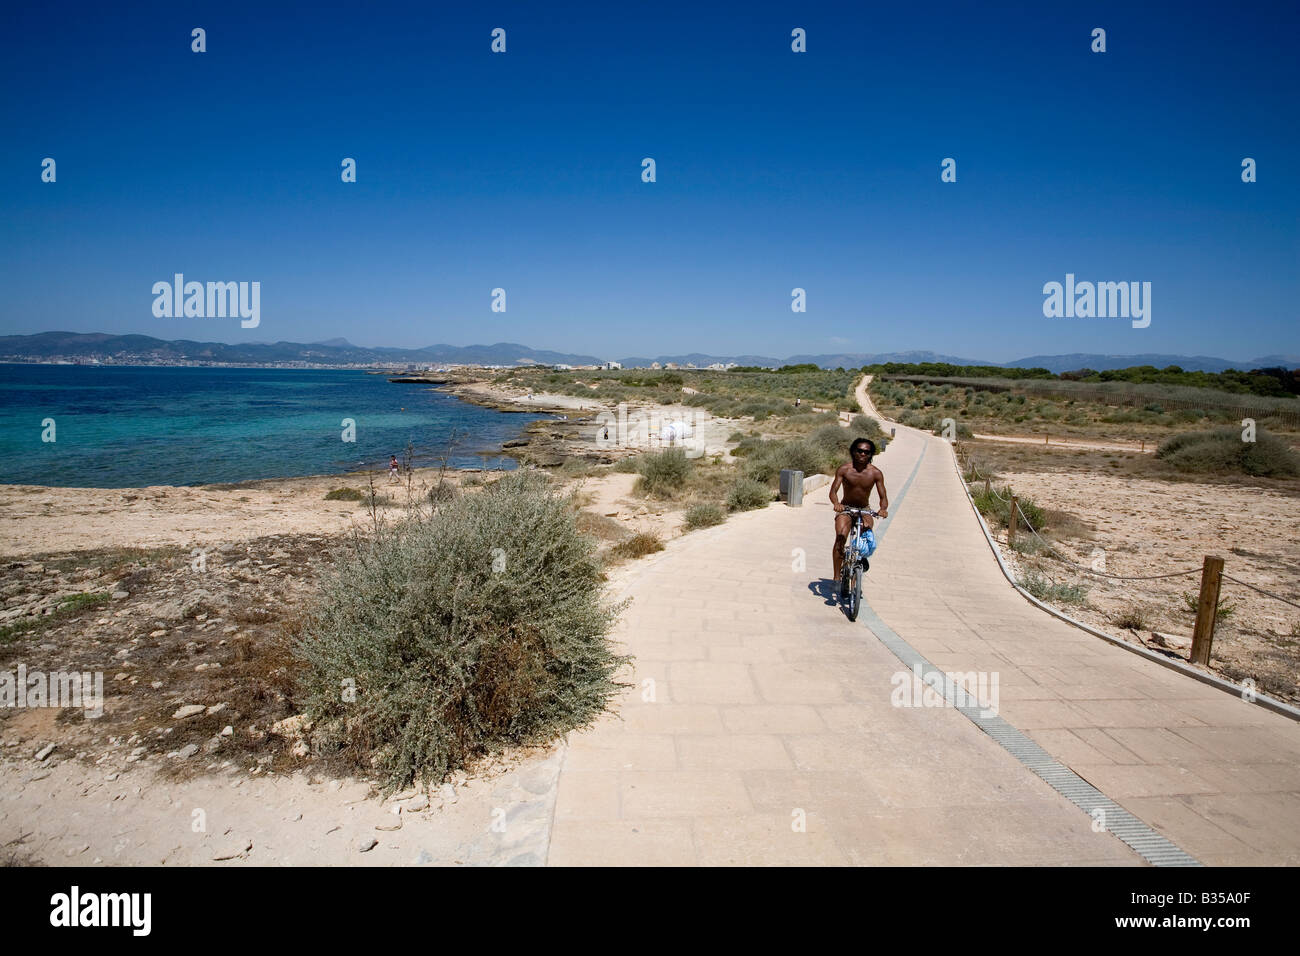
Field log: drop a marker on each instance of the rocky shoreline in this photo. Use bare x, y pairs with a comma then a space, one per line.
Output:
548, 443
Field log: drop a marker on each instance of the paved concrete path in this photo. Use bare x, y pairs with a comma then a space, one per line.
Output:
760, 730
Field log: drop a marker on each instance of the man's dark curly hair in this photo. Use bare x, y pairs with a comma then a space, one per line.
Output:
871, 453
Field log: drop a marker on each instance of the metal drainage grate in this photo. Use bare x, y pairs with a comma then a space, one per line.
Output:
1144, 841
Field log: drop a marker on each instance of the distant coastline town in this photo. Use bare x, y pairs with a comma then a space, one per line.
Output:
103, 349
387, 367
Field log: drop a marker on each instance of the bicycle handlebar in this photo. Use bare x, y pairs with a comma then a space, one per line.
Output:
860, 511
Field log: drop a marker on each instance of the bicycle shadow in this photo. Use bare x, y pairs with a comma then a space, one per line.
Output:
827, 590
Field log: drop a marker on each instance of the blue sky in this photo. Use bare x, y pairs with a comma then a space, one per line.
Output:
522, 170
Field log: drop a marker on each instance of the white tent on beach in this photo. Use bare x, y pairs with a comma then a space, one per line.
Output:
673, 432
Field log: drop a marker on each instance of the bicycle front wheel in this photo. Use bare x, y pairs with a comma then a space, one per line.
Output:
855, 596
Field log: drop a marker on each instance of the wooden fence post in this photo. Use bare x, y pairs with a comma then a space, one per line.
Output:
1206, 608
1011, 523
986, 486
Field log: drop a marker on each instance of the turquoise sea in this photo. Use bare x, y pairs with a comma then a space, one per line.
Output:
127, 426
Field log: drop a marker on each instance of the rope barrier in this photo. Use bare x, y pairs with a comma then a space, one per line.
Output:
1276, 597
1119, 577
1086, 570
992, 490
1102, 574
1094, 571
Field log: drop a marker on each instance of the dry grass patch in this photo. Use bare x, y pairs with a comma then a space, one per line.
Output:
637, 546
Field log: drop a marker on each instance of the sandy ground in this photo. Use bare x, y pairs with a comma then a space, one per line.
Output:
39, 520
1137, 446
63, 812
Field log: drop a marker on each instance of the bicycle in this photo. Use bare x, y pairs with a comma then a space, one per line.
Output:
854, 565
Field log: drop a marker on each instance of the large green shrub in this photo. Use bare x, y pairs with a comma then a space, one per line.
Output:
663, 473
803, 455
448, 636
864, 427
746, 494
833, 440
1223, 451
704, 516
762, 466
345, 494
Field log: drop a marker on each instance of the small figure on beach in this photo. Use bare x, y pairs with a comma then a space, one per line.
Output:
796, 403
393, 468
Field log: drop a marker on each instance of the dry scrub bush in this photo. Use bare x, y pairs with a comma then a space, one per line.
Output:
704, 516
477, 627
1222, 451
662, 473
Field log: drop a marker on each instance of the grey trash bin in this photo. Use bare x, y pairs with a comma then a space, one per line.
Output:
792, 487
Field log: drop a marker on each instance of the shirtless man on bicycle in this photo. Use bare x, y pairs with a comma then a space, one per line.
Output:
858, 477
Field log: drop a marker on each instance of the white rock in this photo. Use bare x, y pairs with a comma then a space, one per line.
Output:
188, 710
294, 726
45, 751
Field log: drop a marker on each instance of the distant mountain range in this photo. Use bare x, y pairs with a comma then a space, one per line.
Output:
133, 349
144, 349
